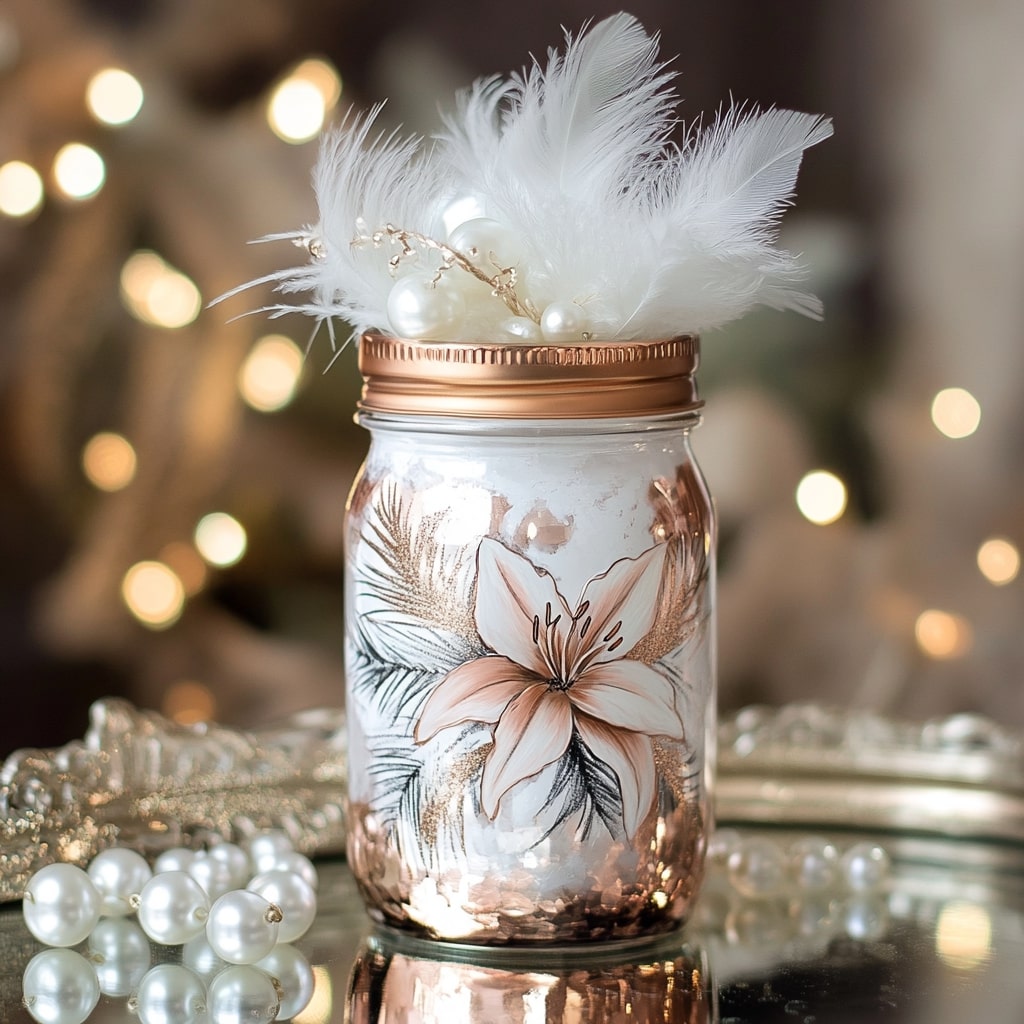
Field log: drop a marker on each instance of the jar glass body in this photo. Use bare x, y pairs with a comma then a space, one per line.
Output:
530, 676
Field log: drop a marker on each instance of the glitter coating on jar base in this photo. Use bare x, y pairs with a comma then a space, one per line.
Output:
530, 663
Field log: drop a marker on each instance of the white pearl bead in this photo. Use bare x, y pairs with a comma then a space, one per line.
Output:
235, 859
265, 847
757, 868
294, 895
173, 908
242, 994
521, 328
177, 858
59, 986
564, 321
294, 977
866, 866
170, 994
120, 953
200, 957
813, 864
299, 865
488, 244
419, 308
117, 874
61, 905
242, 927
213, 875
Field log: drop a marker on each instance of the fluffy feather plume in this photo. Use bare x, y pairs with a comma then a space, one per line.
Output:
554, 207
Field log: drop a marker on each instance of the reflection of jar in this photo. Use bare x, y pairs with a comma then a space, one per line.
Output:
398, 979
530, 650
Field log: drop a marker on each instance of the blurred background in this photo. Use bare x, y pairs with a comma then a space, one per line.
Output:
172, 481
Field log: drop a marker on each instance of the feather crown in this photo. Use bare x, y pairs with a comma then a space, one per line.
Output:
553, 207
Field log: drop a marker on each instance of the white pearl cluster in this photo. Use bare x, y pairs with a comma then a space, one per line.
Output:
423, 304
227, 907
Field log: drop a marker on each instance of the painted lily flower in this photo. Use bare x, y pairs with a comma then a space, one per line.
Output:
555, 671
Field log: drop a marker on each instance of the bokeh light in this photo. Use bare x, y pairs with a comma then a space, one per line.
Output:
299, 103
114, 96
156, 293
154, 594
999, 561
320, 1008
221, 539
941, 635
963, 935
21, 189
270, 374
186, 563
188, 702
821, 497
109, 461
79, 171
956, 412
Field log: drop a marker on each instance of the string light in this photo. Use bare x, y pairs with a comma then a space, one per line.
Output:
188, 702
114, 96
270, 374
999, 561
956, 412
79, 171
156, 293
821, 497
298, 105
221, 539
941, 635
109, 461
21, 189
154, 594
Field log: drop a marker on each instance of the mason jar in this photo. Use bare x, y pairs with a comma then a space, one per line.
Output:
530, 642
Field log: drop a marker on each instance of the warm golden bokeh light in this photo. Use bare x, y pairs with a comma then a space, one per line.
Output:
114, 96
183, 559
821, 497
21, 189
323, 75
156, 293
956, 412
270, 374
296, 110
320, 1007
109, 462
963, 935
188, 702
999, 561
79, 171
942, 635
154, 594
221, 539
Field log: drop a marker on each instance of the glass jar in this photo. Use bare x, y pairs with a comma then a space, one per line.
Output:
529, 641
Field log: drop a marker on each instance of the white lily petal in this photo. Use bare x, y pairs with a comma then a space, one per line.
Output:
629, 695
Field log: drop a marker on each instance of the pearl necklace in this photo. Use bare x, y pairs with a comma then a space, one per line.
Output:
242, 905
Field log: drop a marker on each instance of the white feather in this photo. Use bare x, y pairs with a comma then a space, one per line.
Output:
574, 158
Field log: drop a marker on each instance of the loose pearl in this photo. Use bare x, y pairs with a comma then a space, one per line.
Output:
419, 308
173, 908
236, 861
60, 987
120, 953
117, 874
213, 875
243, 994
61, 905
265, 847
177, 858
242, 927
299, 865
813, 864
170, 994
294, 977
294, 895
564, 321
521, 328
199, 956
488, 244
866, 866
757, 869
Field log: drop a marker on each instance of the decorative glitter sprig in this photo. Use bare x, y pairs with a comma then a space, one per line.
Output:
554, 207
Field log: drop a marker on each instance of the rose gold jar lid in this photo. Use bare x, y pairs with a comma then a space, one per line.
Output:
509, 381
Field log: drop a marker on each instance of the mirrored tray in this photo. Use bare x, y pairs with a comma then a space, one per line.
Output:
938, 939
